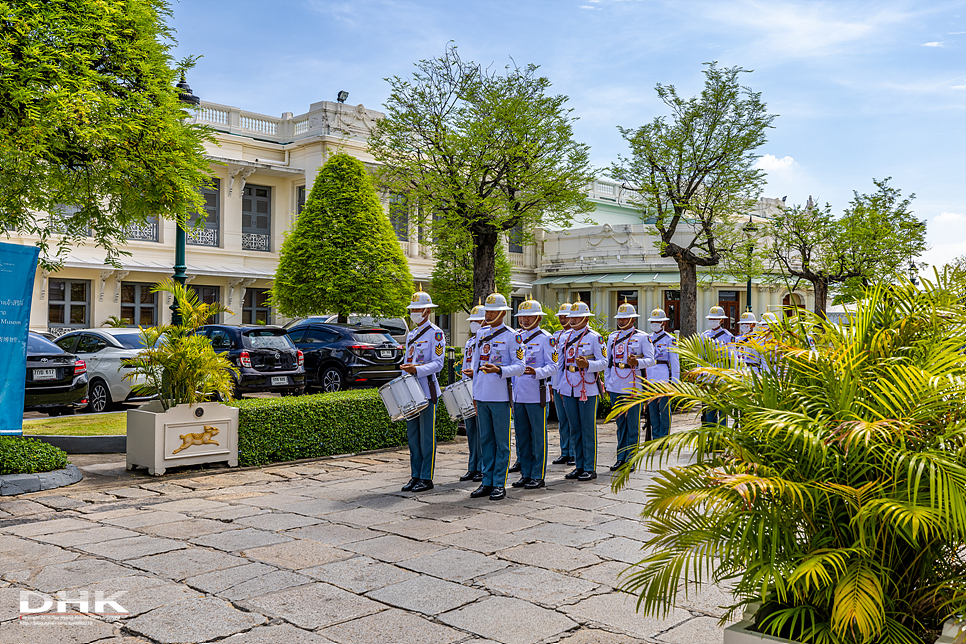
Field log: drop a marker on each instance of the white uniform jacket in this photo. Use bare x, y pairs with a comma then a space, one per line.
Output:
424, 348
618, 376
501, 347
574, 381
668, 364
539, 349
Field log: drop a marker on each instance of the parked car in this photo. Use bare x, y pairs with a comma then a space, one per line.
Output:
395, 326
106, 351
56, 381
339, 355
265, 356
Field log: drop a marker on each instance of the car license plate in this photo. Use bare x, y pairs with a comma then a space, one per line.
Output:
279, 380
387, 353
45, 374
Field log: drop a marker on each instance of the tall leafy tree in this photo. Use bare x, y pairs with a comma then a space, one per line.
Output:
481, 152
452, 280
875, 239
342, 255
91, 129
695, 172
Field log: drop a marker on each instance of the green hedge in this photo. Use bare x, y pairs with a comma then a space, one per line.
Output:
272, 430
27, 455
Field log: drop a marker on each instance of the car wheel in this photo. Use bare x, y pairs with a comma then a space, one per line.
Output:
98, 397
331, 379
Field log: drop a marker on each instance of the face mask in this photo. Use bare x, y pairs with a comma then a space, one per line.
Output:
416, 317
656, 326
746, 328
714, 324
474, 327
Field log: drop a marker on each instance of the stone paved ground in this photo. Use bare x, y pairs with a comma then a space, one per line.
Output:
332, 551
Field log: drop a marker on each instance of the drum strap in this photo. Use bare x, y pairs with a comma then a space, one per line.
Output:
432, 379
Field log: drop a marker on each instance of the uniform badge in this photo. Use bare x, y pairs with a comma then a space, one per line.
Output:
439, 349
412, 351
603, 349
553, 342
439, 336
520, 353
519, 339
554, 356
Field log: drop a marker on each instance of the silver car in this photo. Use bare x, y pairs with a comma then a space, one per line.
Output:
105, 351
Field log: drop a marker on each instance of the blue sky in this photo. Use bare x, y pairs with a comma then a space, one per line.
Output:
862, 89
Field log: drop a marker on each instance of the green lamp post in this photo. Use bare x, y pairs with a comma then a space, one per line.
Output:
181, 236
750, 230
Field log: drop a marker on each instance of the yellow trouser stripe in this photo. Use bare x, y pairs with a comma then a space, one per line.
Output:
596, 398
543, 470
432, 467
506, 474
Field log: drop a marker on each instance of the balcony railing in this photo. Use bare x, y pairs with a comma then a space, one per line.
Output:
145, 232
253, 241
203, 237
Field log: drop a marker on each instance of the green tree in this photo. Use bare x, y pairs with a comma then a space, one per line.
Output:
91, 128
482, 153
874, 240
695, 174
452, 279
342, 255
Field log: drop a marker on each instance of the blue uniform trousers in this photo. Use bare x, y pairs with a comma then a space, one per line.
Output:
421, 433
530, 420
583, 430
566, 441
473, 441
493, 420
628, 427
660, 413
713, 417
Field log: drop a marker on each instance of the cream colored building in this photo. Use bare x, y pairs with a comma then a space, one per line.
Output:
265, 166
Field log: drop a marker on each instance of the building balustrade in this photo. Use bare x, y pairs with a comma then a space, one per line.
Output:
203, 237
253, 241
145, 232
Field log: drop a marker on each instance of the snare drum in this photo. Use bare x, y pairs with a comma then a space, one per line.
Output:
403, 397
458, 398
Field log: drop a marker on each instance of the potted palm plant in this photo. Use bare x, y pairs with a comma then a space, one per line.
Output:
835, 504
182, 369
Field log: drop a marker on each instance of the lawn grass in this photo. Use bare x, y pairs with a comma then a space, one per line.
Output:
78, 425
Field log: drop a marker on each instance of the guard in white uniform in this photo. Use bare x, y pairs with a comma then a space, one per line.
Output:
746, 353
629, 353
667, 368
566, 440
582, 356
474, 470
498, 358
722, 336
531, 392
424, 359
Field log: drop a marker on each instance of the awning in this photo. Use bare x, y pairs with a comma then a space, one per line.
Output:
617, 279
134, 265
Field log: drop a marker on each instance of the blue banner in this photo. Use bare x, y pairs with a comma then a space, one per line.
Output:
18, 266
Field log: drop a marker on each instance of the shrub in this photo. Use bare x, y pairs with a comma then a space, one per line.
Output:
838, 501
272, 430
20, 455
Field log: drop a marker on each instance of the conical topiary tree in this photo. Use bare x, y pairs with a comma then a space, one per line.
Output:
342, 255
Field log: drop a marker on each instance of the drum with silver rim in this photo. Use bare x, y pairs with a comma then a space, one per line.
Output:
458, 398
403, 397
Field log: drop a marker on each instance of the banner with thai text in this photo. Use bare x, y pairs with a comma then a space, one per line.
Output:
18, 266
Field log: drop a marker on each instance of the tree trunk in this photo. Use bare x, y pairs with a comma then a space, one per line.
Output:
343, 319
821, 296
689, 298
484, 265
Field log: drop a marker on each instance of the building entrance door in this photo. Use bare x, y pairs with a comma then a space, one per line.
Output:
728, 300
672, 307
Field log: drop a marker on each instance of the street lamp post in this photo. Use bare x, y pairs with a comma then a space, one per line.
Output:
750, 230
181, 235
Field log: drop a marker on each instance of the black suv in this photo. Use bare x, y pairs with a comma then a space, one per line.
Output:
338, 355
56, 380
265, 357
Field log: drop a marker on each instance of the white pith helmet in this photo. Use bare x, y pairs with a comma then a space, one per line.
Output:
658, 315
421, 300
496, 302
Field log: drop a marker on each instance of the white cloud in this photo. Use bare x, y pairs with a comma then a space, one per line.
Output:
935, 43
941, 254
948, 217
587, 6
957, 87
771, 163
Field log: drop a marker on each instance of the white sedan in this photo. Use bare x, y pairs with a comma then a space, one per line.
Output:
105, 351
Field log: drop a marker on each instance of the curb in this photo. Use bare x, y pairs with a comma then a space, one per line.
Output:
111, 444
11, 484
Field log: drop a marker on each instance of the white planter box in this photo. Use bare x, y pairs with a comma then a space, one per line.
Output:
741, 633
183, 435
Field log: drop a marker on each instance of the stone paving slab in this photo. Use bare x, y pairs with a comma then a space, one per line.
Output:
75, 573
188, 529
508, 620
296, 554
392, 548
537, 585
392, 626
314, 606
90, 535
333, 534
276, 634
81, 631
220, 580
277, 521
617, 611
485, 541
425, 594
142, 593
193, 620
550, 555
454, 564
264, 584
186, 563
700, 629
243, 539
359, 574
131, 547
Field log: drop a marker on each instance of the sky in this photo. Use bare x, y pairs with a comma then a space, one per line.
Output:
862, 90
